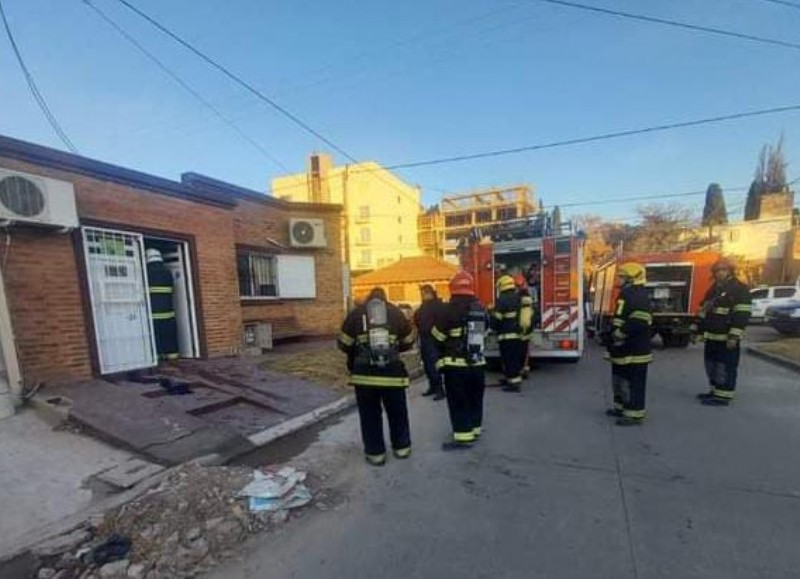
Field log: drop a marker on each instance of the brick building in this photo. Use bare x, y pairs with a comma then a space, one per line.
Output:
77, 298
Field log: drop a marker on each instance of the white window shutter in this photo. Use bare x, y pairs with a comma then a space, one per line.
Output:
296, 277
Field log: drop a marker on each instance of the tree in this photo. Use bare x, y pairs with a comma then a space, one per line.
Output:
663, 227
556, 217
714, 212
770, 177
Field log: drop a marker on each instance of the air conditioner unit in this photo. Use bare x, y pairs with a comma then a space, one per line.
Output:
307, 233
26, 198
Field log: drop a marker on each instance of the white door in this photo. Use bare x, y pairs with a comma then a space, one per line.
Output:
120, 305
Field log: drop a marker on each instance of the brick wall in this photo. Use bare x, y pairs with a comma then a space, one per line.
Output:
258, 225
52, 339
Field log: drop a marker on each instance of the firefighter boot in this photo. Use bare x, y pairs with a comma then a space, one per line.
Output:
614, 413
375, 459
713, 401
705, 396
629, 421
453, 445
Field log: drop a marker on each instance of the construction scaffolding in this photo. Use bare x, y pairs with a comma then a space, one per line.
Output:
442, 226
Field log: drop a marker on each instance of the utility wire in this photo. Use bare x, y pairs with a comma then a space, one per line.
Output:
183, 84
675, 23
251, 89
641, 198
37, 95
238, 80
594, 138
784, 3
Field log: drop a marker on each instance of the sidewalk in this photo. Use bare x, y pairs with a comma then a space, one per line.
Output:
43, 471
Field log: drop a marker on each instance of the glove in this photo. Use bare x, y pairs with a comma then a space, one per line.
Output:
618, 337
732, 343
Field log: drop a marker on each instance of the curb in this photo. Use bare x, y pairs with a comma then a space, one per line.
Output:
300, 422
774, 358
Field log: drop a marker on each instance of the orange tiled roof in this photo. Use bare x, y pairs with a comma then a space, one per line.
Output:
409, 270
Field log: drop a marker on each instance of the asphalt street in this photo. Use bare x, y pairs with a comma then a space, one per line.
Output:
554, 489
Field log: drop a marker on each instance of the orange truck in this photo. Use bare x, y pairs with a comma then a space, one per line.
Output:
549, 259
676, 282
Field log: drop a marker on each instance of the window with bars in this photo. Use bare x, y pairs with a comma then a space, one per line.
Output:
258, 274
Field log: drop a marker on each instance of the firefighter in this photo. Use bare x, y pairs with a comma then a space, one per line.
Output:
721, 323
526, 315
629, 346
162, 305
505, 322
373, 335
424, 319
460, 331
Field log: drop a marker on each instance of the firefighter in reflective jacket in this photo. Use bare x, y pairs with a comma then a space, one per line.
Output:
162, 305
373, 335
460, 331
505, 322
629, 346
526, 317
721, 322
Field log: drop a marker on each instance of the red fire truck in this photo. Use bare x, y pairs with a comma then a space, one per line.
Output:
550, 260
676, 282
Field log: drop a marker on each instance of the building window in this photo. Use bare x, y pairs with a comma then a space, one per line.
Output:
262, 275
364, 235
400, 239
399, 200
366, 257
363, 213
733, 235
399, 220
258, 274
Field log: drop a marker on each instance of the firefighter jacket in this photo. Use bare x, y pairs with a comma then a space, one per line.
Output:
630, 339
450, 333
505, 317
526, 315
354, 341
725, 312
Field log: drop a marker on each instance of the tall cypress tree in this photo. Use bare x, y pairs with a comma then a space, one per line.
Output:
714, 212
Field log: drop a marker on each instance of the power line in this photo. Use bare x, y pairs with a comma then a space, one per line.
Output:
238, 80
674, 23
37, 95
784, 3
247, 86
594, 138
642, 198
183, 84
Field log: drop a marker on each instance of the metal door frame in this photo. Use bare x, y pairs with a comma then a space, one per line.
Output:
87, 256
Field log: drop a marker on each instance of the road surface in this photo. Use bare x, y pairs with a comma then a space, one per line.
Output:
555, 490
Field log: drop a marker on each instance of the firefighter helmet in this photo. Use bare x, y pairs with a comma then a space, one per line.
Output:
462, 284
505, 283
634, 272
724, 263
153, 255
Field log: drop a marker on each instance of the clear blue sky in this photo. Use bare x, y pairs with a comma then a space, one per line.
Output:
402, 81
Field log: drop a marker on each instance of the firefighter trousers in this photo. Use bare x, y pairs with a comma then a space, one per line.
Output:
511, 354
629, 382
372, 400
464, 388
722, 368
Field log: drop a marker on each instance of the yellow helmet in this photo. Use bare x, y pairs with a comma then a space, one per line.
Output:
506, 282
635, 272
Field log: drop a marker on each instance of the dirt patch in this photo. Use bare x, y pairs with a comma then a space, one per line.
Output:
326, 365
180, 528
789, 348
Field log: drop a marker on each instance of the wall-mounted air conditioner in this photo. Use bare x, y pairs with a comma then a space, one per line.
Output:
26, 198
307, 233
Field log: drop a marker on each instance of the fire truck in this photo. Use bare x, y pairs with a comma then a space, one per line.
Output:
676, 284
549, 258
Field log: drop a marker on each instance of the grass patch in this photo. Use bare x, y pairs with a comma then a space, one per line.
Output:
325, 366
789, 348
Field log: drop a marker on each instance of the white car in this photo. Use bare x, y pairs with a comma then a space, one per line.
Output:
771, 296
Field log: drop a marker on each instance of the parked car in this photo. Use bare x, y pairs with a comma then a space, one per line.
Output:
766, 297
785, 318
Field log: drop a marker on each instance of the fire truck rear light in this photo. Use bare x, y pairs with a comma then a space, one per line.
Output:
567, 344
